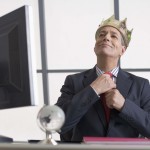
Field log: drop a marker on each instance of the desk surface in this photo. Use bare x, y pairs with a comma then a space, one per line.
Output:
103, 146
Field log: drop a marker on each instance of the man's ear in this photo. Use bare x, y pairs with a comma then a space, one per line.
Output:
123, 50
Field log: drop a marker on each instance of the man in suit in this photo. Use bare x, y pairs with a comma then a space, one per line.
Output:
126, 112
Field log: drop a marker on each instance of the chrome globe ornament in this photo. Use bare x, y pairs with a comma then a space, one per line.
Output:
50, 119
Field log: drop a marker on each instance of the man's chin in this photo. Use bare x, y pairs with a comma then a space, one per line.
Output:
104, 52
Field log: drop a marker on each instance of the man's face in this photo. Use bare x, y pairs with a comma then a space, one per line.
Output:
109, 43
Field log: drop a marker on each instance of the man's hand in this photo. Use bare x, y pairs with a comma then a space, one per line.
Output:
103, 84
114, 99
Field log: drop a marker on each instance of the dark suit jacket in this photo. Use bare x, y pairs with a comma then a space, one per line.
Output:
85, 114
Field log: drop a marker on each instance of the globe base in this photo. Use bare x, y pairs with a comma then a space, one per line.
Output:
48, 141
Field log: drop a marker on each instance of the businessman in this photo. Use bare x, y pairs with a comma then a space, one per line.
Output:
106, 101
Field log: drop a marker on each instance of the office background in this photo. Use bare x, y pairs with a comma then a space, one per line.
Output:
64, 37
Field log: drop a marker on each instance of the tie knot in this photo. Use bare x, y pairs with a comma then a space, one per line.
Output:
109, 73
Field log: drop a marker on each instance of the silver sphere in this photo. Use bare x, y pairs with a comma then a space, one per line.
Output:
50, 118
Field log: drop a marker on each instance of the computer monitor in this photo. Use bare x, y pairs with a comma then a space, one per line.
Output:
17, 60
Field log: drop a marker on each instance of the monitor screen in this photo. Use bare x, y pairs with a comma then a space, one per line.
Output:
17, 69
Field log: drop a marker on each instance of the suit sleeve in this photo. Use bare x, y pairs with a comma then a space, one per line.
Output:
137, 112
75, 100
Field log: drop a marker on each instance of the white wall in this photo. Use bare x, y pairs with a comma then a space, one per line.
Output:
137, 55
70, 28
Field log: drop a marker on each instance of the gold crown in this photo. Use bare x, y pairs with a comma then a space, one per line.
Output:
119, 25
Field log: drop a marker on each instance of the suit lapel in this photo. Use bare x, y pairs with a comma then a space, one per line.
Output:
88, 79
124, 83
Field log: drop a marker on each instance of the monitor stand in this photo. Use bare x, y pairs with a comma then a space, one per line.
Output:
5, 139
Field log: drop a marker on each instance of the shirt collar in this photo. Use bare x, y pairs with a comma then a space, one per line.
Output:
114, 71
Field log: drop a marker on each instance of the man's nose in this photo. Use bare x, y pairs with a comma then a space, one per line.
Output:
107, 37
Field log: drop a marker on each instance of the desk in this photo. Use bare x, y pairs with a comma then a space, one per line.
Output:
26, 146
